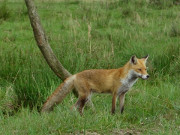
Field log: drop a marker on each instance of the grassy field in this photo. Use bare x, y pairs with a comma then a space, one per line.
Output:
88, 35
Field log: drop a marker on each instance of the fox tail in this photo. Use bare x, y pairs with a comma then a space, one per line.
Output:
59, 94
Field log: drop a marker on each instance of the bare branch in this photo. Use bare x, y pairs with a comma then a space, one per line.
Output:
43, 44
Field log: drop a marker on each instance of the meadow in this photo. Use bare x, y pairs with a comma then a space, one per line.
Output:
88, 34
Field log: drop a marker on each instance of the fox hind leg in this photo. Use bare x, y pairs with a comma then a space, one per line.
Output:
89, 103
80, 104
84, 93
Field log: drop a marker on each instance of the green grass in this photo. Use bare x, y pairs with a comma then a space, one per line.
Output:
119, 29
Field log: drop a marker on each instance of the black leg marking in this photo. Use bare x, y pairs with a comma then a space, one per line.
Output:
122, 109
81, 107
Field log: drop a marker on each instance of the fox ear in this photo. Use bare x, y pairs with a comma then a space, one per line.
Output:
146, 57
133, 60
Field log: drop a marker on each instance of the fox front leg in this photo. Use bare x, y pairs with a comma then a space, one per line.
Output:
121, 102
114, 103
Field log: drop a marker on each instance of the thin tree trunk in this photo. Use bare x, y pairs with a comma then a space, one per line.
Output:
42, 42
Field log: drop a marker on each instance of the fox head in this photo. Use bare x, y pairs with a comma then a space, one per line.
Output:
138, 67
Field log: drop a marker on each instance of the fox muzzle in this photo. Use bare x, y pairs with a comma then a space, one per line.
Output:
144, 77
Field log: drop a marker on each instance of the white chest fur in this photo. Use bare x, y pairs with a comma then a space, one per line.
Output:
127, 82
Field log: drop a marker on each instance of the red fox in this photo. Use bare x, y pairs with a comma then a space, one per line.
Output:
114, 81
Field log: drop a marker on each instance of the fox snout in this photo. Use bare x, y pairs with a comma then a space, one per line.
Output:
144, 77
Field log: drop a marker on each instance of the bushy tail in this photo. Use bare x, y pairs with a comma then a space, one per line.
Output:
59, 94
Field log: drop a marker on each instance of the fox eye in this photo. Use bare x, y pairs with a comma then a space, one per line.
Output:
139, 69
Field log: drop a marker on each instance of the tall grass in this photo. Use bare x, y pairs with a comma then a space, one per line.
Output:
88, 35
113, 40
4, 11
116, 34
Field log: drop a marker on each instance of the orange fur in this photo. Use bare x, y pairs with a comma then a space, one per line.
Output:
115, 81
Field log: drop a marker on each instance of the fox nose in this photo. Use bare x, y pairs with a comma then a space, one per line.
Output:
147, 76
